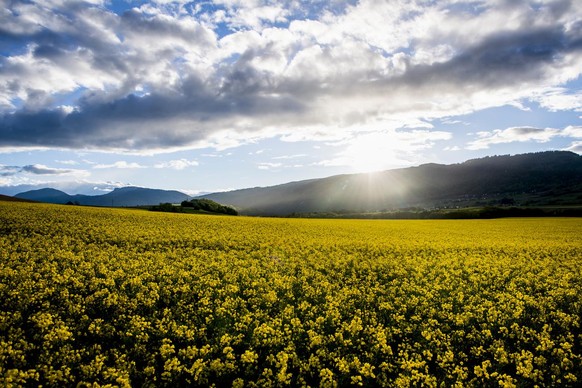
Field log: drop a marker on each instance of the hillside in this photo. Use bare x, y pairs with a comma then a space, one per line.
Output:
46, 195
7, 198
546, 178
125, 196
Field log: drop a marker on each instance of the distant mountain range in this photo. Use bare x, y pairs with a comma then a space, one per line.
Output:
70, 187
536, 179
125, 196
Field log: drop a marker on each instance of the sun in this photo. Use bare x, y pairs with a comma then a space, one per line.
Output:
371, 152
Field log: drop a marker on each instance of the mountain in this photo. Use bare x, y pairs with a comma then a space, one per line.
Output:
46, 195
136, 196
125, 196
70, 187
545, 178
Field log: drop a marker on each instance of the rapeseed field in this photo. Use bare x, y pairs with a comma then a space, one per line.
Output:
93, 297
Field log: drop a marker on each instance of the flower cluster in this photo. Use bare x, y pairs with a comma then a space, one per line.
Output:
132, 298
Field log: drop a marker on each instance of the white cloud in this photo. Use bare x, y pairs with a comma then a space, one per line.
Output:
68, 162
257, 152
453, 148
522, 134
575, 147
295, 156
119, 164
256, 17
449, 121
178, 164
268, 166
559, 99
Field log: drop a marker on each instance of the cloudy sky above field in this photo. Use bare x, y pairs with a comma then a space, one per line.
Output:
213, 95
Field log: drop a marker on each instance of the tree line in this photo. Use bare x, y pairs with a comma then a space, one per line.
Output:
202, 205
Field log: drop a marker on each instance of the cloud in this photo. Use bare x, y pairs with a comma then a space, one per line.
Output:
268, 165
178, 164
452, 122
9, 170
37, 169
560, 99
453, 148
522, 134
164, 76
295, 156
575, 147
68, 162
40, 169
122, 164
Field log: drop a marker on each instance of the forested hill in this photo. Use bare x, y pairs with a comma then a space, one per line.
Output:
545, 178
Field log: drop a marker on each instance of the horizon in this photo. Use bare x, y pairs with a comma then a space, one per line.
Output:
244, 188
224, 95
13, 190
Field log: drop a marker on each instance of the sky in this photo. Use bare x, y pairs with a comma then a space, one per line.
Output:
204, 96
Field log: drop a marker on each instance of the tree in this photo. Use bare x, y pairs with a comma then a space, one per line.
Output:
210, 206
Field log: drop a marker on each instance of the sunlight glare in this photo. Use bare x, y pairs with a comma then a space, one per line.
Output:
372, 152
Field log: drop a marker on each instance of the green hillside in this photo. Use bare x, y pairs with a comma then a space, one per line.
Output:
538, 179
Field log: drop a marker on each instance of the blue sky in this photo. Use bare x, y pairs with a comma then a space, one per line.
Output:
214, 95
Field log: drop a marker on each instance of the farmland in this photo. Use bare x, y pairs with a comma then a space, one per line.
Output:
134, 298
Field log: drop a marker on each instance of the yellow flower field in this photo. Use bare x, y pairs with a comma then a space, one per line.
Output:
93, 296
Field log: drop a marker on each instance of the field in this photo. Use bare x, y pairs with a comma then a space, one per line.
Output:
95, 296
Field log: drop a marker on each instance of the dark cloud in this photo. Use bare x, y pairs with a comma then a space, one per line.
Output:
559, 8
158, 27
36, 169
527, 130
49, 52
10, 42
42, 170
9, 170
17, 30
503, 59
25, 128
135, 122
